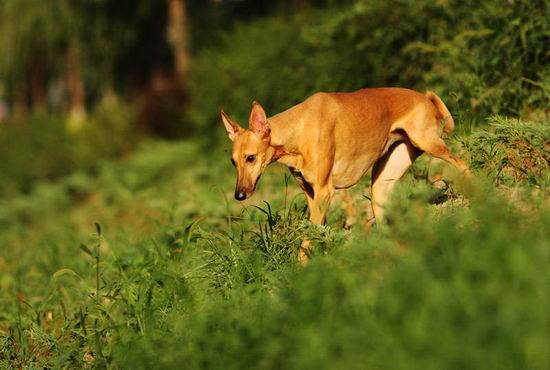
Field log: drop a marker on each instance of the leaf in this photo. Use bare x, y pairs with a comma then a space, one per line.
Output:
260, 209
98, 228
87, 250
62, 272
190, 228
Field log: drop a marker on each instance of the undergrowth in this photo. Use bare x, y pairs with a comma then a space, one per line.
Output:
512, 151
174, 274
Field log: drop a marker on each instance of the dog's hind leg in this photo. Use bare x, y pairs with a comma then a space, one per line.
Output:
351, 213
387, 170
430, 142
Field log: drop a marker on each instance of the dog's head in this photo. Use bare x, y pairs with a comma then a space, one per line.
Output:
251, 151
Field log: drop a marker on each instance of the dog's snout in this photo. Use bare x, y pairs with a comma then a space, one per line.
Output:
240, 195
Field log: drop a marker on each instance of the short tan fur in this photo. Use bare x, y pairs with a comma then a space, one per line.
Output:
331, 140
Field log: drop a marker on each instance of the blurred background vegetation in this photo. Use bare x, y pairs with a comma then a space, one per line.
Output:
84, 81
109, 113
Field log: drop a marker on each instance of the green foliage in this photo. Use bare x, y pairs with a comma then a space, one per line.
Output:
449, 297
42, 148
483, 58
490, 56
147, 262
256, 62
38, 34
177, 276
512, 151
30, 30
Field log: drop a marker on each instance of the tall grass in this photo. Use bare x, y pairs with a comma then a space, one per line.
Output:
44, 148
147, 262
174, 276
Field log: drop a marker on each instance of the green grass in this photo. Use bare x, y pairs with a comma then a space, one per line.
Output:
146, 261
152, 264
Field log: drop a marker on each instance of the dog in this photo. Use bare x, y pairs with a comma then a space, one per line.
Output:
330, 140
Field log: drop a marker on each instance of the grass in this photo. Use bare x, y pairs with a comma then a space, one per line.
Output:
151, 264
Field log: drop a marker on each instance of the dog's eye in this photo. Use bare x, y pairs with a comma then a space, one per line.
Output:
250, 158
233, 162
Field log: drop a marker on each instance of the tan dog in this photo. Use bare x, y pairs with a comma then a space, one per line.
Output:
332, 139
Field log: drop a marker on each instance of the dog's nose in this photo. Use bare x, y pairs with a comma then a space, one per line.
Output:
240, 195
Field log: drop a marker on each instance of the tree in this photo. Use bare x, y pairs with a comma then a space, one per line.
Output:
178, 38
34, 38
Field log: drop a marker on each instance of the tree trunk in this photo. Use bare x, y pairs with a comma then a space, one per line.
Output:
177, 35
38, 86
20, 101
300, 5
75, 84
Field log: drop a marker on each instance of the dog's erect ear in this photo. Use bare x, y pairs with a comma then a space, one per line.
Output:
258, 121
232, 127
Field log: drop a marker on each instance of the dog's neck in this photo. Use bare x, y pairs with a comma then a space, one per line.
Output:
285, 137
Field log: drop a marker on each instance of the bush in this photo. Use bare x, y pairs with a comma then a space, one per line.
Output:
483, 58
465, 288
43, 148
491, 56
430, 292
177, 276
512, 151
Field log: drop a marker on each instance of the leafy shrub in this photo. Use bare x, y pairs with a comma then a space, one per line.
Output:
43, 148
279, 61
178, 276
452, 292
465, 288
512, 151
483, 58
491, 56
39, 149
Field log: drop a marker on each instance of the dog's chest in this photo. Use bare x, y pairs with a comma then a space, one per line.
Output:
302, 182
293, 161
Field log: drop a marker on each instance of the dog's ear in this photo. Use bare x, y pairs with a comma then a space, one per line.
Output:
232, 127
258, 121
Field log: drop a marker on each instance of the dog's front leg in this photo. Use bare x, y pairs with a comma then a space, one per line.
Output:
318, 205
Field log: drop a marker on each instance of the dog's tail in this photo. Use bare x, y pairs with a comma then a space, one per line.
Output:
443, 113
